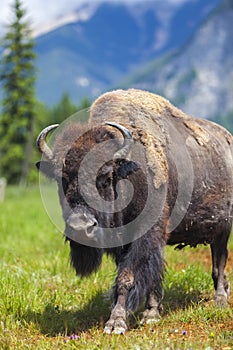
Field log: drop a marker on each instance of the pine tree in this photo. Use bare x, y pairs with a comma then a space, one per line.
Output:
17, 73
63, 109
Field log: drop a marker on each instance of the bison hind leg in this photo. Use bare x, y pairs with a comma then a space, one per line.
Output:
219, 258
153, 308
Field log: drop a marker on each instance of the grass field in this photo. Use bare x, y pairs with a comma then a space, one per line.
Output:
43, 305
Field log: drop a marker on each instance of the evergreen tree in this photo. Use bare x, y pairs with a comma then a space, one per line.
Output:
17, 73
63, 109
85, 103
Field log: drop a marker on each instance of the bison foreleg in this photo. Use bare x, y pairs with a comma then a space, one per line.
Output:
219, 258
117, 321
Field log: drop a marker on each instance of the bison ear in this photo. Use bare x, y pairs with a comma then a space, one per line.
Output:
46, 168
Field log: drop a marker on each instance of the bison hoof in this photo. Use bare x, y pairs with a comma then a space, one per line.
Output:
117, 326
221, 300
150, 316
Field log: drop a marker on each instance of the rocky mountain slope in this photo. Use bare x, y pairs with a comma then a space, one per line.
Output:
108, 41
199, 77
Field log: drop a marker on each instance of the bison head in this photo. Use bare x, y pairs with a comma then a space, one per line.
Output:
100, 188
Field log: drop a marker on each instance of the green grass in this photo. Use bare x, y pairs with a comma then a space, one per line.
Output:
43, 305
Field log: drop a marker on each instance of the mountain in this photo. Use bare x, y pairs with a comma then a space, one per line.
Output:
198, 77
105, 42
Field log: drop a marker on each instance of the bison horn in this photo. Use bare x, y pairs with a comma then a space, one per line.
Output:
41, 141
128, 140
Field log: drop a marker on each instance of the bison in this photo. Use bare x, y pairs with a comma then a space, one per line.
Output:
161, 177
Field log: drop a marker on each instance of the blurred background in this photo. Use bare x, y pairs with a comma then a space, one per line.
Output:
72, 51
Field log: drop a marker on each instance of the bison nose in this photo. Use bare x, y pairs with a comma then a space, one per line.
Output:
84, 223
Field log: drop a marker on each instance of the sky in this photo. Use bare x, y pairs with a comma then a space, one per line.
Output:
43, 13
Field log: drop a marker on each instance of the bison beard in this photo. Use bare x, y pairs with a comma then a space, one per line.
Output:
208, 218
